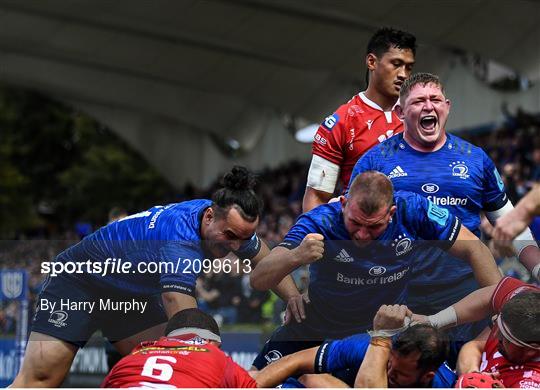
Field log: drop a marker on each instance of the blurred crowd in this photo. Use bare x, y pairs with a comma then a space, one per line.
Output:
514, 147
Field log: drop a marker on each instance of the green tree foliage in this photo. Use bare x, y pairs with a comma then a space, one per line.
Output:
58, 166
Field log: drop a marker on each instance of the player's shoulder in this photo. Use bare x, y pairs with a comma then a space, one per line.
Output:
461, 146
402, 197
387, 148
506, 289
322, 216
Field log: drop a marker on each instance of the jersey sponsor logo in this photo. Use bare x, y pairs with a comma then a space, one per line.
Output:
377, 270
500, 182
437, 214
384, 137
273, 355
447, 201
459, 169
369, 123
402, 244
343, 257
430, 188
58, 318
351, 131
377, 280
330, 121
320, 139
354, 109
397, 172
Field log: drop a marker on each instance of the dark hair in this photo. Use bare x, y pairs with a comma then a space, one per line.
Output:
521, 315
116, 213
192, 318
418, 78
371, 190
387, 37
430, 342
237, 192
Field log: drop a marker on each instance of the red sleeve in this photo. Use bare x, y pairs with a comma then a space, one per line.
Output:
236, 376
329, 139
506, 289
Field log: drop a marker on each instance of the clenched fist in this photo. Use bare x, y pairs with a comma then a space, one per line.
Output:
391, 317
310, 249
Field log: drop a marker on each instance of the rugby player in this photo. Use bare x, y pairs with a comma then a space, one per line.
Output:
179, 234
513, 223
511, 349
455, 175
359, 251
413, 359
365, 120
187, 357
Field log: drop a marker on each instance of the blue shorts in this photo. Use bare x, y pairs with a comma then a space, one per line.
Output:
72, 308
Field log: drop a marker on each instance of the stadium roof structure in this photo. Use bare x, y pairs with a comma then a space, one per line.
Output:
196, 85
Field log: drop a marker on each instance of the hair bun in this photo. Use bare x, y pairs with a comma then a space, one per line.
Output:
239, 179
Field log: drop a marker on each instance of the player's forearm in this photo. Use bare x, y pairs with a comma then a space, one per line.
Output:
530, 258
271, 271
529, 206
470, 357
372, 372
173, 302
473, 307
469, 248
314, 198
286, 289
291, 365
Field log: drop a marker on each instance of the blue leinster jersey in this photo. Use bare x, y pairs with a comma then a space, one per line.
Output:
350, 283
163, 234
459, 177
337, 355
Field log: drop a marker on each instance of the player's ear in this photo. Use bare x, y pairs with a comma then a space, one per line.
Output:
208, 216
399, 111
427, 377
392, 211
343, 201
371, 61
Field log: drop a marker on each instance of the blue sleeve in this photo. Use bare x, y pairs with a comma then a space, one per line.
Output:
432, 222
180, 264
365, 163
249, 249
303, 226
444, 378
338, 355
493, 194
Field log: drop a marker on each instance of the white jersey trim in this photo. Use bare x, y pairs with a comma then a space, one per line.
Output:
522, 241
372, 104
323, 174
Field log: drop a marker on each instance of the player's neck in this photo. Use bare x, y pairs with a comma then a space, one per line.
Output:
421, 147
383, 101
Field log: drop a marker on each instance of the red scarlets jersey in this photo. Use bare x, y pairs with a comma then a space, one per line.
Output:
353, 129
511, 375
172, 362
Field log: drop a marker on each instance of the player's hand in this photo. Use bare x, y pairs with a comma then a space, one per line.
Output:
419, 319
296, 308
391, 317
310, 249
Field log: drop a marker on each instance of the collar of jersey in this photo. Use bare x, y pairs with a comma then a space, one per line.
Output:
401, 139
372, 104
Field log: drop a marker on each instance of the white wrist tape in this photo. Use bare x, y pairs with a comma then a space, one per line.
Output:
536, 272
390, 332
446, 317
